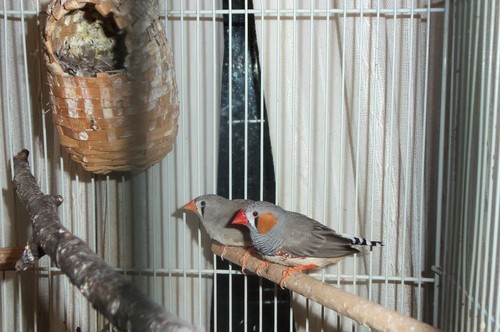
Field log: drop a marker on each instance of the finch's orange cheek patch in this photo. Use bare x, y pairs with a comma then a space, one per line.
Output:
266, 222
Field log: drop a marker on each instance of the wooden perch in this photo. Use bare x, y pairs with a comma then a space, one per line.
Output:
361, 310
8, 257
110, 293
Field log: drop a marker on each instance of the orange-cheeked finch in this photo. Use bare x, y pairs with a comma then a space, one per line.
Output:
294, 240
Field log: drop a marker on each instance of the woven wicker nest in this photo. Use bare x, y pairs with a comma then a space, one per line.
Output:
112, 83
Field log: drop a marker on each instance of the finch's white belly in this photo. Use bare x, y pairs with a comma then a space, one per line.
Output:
301, 261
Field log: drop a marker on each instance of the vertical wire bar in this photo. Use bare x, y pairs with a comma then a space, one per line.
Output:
34, 273
261, 149
422, 179
463, 266
441, 164
358, 126
465, 201
3, 241
230, 149
40, 83
93, 220
310, 129
455, 211
6, 112
65, 215
230, 123
310, 118
407, 161
261, 317
342, 143
2, 231
458, 201
7, 109
5, 96
170, 257
183, 148
83, 306
26, 82
77, 229
294, 103
44, 147
496, 218
490, 142
294, 127
122, 225
245, 160
278, 99
214, 175
21, 304
482, 172
487, 152
155, 174
493, 280
4, 299
468, 270
107, 230
245, 305
326, 146
307, 315
262, 51
374, 140
214, 263
391, 144
275, 312
291, 311
278, 138
245, 107
166, 184
198, 152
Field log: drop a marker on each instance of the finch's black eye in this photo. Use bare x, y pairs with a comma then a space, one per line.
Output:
202, 203
255, 213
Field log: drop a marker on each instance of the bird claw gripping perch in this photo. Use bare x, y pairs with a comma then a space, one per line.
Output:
244, 258
224, 250
288, 272
262, 265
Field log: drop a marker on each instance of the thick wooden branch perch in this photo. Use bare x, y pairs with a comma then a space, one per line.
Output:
361, 310
110, 293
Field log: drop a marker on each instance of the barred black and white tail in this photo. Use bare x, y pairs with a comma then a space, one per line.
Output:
361, 241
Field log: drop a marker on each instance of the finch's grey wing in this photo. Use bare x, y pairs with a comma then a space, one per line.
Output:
309, 238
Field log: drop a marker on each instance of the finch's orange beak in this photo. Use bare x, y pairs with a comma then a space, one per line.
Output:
240, 218
191, 206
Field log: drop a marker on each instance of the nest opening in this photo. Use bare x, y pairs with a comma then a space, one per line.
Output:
87, 43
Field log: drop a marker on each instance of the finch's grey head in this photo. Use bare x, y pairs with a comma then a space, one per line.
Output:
215, 213
201, 204
261, 216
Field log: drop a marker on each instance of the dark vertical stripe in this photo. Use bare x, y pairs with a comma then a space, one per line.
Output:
237, 151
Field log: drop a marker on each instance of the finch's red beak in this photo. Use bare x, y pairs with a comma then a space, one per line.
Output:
191, 206
240, 218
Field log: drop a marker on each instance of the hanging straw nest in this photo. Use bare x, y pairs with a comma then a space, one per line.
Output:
112, 83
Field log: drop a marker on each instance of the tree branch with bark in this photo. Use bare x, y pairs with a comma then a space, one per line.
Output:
110, 293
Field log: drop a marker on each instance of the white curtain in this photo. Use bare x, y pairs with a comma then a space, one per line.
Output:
345, 100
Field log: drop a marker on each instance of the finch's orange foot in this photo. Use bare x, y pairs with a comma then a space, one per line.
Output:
244, 258
262, 265
288, 272
224, 249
